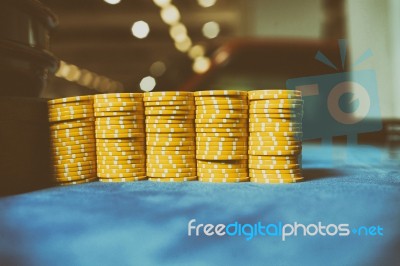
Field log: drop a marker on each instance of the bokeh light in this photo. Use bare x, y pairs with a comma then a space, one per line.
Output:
201, 64
211, 29
170, 14
197, 51
147, 83
140, 29
112, 2
158, 68
206, 3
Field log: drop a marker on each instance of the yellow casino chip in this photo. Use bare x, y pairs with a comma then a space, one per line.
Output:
119, 127
172, 180
221, 157
119, 113
221, 121
221, 175
276, 134
122, 175
222, 107
150, 135
120, 120
171, 148
120, 131
169, 112
273, 111
222, 101
122, 180
138, 171
221, 165
217, 140
232, 144
157, 152
275, 124
168, 93
119, 153
274, 166
226, 148
75, 156
170, 157
275, 171
120, 162
222, 116
170, 103
170, 166
119, 135
75, 179
119, 109
258, 105
170, 130
222, 134
63, 140
71, 99
82, 123
275, 148
69, 117
78, 182
221, 93
108, 96
257, 143
210, 111
122, 167
277, 153
171, 170
262, 163
221, 130
222, 171
278, 121
278, 101
191, 161
167, 98
59, 111
73, 104
118, 104
171, 107
220, 125
170, 144
151, 121
274, 94
274, 181
219, 152
224, 180
71, 113
186, 124
171, 175
256, 174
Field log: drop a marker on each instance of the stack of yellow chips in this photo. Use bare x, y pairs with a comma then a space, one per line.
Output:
222, 133
73, 144
275, 136
170, 136
120, 137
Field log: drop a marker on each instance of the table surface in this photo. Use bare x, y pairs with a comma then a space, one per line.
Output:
145, 223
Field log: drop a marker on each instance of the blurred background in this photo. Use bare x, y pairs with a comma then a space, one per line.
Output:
203, 44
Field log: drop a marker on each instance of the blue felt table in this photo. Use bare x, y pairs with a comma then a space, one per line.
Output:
145, 223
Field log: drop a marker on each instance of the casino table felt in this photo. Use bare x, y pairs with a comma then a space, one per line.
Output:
145, 223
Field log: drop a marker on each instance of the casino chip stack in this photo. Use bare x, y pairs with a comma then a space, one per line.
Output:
73, 144
221, 140
120, 137
275, 136
170, 136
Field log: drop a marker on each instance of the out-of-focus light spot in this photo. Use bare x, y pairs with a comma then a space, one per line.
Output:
201, 64
162, 3
112, 2
210, 29
74, 73
63, 70
157, 69
197, 51
206, 3
140, 29
221, 57
86, 78
96, 82
178, 32
184, 45
170, 14
147, 83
